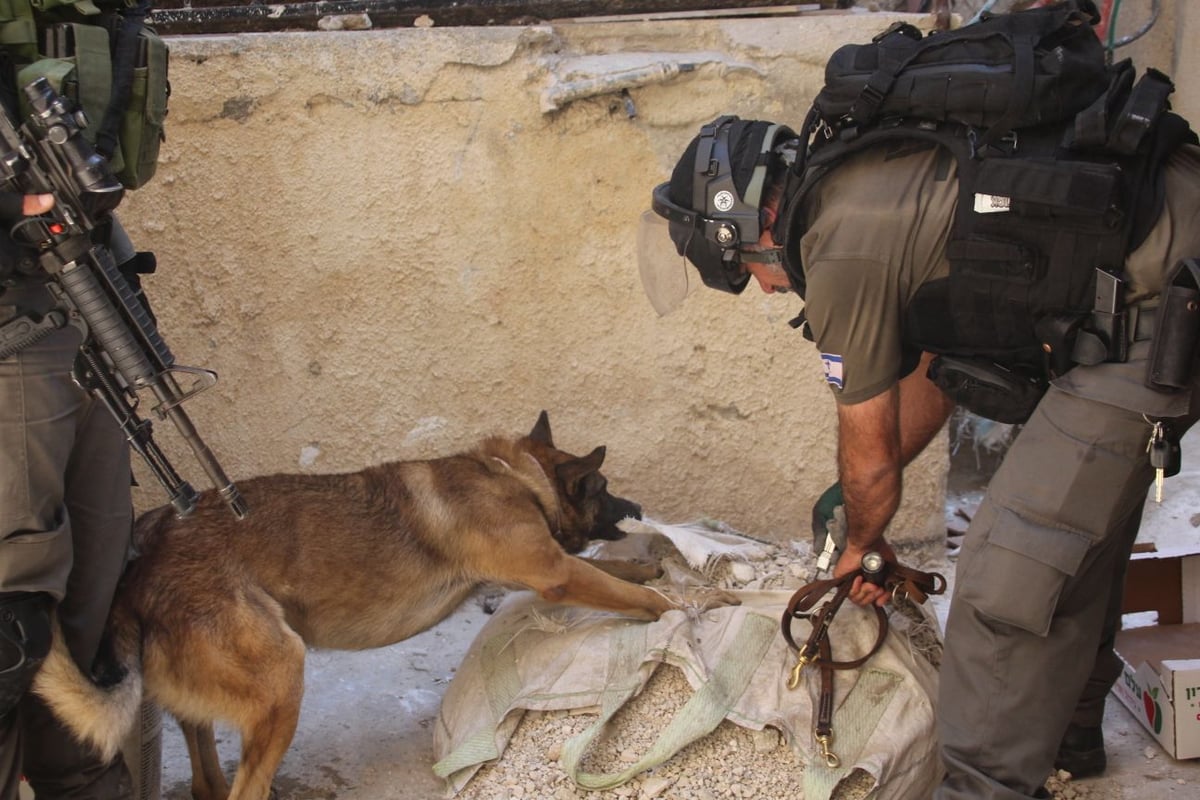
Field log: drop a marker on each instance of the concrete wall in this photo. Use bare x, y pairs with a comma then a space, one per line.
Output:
388, 247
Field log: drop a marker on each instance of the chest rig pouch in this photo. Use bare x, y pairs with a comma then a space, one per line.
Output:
1056, 184
106, 58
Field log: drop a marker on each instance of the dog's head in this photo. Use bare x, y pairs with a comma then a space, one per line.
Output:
588, 510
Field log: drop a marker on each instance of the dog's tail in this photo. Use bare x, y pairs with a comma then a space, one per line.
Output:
100, 712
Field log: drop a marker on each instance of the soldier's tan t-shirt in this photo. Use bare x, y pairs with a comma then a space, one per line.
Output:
879, 225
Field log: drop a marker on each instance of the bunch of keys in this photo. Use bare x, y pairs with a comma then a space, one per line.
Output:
1165, 456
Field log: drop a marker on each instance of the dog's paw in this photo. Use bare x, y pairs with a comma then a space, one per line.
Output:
490, 598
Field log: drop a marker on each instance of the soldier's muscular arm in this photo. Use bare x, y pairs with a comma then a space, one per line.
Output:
870, 466
876, 438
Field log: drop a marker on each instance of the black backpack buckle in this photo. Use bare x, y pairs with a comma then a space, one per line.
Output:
904, 28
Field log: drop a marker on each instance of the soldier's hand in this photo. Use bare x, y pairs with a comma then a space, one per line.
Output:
34, 204
13, 205
863, 593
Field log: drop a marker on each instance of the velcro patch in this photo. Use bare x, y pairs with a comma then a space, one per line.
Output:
833, 369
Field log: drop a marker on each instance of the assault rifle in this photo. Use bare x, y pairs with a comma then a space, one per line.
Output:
122, 352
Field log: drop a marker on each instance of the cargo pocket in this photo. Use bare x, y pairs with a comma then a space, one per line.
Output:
1069, 449
38, 561
1017, 572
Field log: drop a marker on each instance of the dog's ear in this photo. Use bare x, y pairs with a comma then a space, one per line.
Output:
541, 430
571, 473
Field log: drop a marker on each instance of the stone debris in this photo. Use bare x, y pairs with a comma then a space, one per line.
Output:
732, 763
1061, 787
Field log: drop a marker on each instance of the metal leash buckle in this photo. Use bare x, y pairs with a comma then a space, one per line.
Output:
802, 662
826, 743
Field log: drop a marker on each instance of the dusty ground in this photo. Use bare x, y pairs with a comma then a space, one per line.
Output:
365, 731
365, 725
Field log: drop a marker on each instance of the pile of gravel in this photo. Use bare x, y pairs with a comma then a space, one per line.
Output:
732, 762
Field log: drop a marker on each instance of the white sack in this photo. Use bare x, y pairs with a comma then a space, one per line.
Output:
533, 655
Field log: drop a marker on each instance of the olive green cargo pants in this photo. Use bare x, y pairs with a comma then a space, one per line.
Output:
1040, 578
65, 519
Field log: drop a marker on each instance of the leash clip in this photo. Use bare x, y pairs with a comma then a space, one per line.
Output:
826, 742
801, 663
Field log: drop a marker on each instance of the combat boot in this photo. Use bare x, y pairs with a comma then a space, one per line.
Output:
1081, 752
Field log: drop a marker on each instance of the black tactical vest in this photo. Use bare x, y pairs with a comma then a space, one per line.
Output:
1052, 196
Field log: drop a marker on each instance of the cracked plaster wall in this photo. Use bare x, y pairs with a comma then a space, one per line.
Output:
387, 249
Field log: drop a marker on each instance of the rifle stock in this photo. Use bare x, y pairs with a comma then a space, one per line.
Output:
122, 352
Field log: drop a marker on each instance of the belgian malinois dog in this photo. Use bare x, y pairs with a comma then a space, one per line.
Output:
212, 619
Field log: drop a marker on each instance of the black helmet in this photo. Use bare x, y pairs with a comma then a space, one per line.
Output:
713, 201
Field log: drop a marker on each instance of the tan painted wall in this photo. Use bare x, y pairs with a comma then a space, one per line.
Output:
388, 249
1186, 64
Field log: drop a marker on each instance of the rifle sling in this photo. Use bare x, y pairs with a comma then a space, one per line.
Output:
28, 329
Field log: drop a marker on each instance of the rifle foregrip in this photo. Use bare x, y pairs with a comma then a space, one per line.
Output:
121, 292
107, 325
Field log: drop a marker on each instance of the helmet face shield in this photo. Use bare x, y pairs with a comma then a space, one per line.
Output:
667, 277
672, 241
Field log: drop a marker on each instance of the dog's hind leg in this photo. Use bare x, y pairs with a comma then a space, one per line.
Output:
238, 661
264, 743
268, 720
208, 782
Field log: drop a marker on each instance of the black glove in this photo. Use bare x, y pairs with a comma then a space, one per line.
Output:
14, 258
12, 207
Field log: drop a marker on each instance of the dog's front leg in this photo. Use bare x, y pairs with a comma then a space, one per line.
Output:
586, 585
570, 580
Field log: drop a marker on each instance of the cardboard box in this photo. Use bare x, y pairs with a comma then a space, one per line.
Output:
1160, 674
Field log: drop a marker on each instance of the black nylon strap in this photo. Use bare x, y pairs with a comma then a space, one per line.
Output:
125, 54
1022, 91
1146, 103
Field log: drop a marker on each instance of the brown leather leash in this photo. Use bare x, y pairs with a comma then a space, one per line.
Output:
900, 581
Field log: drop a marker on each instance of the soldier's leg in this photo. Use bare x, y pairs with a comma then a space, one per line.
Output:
47, 426
98, 503
37, 403
1035, 580
24, 643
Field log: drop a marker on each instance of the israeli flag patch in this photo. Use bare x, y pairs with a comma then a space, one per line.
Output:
833, 369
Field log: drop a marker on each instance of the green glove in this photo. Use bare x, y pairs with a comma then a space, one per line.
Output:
829, 526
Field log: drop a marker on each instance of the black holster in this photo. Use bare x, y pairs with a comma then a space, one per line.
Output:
1176, 329
986, 388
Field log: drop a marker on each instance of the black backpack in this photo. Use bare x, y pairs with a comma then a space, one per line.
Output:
1006, 71
1059, 163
